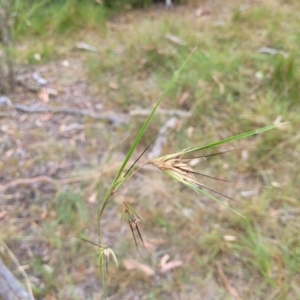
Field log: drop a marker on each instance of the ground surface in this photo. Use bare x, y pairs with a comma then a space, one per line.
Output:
53, 164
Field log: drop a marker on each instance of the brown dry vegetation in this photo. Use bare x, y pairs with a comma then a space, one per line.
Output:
227, 86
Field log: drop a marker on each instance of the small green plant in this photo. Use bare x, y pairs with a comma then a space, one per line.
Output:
68, 206
285, 78
174, 165
43, 18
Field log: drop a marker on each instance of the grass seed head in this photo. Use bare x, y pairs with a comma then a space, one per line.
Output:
176, 167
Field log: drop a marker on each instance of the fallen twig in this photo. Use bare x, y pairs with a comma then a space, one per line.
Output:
110, 116
32, 180
109, 169
231, 290
272, 51
171, 112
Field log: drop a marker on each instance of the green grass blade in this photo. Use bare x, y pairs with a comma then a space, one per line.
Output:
230, 139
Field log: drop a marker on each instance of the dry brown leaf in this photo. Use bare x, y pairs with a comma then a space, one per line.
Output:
149, 246
131, 264
164, 260
200, 12
152, 244
183, 98
229, 238
85, 46
3, 213
273, 212
175, 39
171, 265
44, 215
9, 153
47, 117
113, 85
92, 198
43, 95
51, 91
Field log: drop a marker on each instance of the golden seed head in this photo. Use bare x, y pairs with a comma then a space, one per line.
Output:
176, 167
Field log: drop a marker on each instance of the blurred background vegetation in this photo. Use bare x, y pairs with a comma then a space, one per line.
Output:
117, 57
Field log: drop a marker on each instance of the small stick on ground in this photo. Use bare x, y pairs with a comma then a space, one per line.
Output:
231, 290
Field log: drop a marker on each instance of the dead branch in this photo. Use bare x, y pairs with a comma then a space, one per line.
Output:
171, 112
10, 287
109, 116
26, 181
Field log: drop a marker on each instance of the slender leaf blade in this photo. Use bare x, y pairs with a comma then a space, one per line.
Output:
230, 139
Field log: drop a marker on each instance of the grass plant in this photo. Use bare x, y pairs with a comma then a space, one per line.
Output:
228, 86
45, 18
43, 23
175, 166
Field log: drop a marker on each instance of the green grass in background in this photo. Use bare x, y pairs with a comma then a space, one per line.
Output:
45, 24
46, 18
